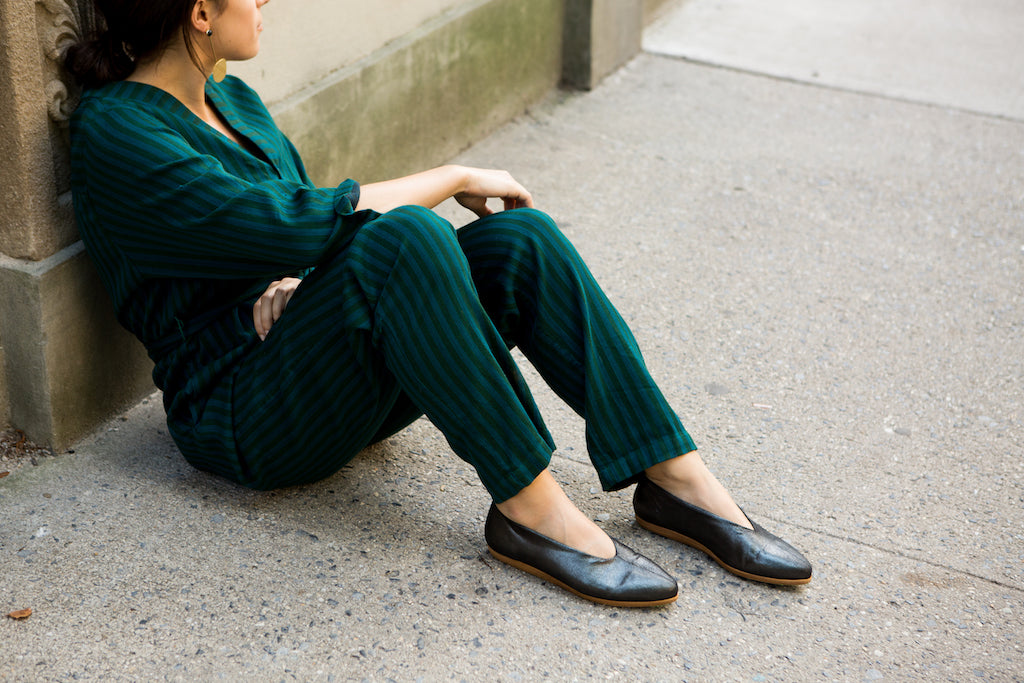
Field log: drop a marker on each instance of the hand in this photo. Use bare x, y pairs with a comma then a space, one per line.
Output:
271, 304
482, 184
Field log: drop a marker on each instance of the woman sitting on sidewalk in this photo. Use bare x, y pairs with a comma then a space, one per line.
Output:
293, 325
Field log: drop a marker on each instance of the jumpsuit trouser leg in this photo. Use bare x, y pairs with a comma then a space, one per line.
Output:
413, 318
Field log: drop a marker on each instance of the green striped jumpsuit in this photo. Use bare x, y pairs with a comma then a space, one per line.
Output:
398, 314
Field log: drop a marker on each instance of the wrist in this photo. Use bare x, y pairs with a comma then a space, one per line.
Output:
460, 178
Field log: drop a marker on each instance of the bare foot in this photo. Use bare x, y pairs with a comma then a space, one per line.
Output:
687, 477
543, 507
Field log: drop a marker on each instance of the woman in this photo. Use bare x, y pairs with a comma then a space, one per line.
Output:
292, 325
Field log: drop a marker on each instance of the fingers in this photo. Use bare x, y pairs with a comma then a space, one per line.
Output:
272, 304
485, 183
281, 299
263, 315
476, 204
516, 197
518, 202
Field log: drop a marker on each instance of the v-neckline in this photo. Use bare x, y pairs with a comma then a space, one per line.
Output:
245, 140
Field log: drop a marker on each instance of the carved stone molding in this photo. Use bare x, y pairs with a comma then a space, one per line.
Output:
62, 24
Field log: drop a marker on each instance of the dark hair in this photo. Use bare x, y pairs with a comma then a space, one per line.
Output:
127, 31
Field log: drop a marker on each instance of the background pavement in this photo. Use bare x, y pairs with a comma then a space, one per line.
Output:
823, 264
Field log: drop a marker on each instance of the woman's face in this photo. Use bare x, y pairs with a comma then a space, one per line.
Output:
236, 28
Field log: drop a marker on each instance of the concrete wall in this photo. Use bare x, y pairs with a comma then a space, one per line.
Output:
366, 90
304, 43
422, 98
602, 35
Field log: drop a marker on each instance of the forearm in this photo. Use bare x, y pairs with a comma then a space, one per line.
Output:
428, 189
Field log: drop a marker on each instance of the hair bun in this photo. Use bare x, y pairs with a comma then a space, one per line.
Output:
99, 61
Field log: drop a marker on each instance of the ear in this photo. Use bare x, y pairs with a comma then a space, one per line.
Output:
201, 16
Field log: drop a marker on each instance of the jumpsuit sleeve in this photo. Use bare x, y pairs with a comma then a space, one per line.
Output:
175, 212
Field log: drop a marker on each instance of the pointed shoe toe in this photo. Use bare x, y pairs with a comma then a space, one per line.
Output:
753, 554
627, 580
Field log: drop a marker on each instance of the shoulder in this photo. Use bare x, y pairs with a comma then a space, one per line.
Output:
120, 105
95, 102
128, 126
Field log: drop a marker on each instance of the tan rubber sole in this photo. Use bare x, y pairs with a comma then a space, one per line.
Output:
676, 536
550, 579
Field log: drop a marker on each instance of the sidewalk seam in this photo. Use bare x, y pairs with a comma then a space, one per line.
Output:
833, 88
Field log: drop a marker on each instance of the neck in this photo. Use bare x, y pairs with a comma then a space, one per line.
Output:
172, 70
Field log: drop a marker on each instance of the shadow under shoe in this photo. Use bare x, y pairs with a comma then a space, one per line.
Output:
753, 554
626, 580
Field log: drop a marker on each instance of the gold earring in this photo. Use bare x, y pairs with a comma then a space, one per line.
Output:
220, 67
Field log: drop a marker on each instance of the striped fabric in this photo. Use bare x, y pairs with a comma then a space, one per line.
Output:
398, 315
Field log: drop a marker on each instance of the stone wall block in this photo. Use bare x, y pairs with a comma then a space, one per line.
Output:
27, 191
600, 36
35, 103
69, 364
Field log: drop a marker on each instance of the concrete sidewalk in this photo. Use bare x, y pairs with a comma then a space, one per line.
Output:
826, 278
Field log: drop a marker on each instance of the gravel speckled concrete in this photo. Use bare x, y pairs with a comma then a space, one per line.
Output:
829, 287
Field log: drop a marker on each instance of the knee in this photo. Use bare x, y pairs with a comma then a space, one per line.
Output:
413, 228
517, 229
544, 233
536, 222
530, 231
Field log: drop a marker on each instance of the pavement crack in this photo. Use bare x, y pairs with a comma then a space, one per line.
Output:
906, 556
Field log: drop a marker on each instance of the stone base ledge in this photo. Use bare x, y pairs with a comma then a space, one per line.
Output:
67, 364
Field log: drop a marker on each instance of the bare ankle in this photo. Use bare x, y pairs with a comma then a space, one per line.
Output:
542, 506
688, 478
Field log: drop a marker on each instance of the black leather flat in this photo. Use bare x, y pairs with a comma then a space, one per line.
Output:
753, 554
627, 580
